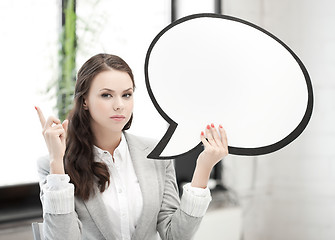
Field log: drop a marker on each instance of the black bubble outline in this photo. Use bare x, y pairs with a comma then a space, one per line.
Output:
155, 154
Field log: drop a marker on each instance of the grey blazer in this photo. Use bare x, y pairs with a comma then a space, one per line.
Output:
161, 212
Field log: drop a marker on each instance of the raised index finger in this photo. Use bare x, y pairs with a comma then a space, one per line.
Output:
41, 116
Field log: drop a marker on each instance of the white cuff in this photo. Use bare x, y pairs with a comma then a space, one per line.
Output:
57, 181
195, 201
58, 194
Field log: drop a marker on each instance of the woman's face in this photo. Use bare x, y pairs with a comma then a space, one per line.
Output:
110, 100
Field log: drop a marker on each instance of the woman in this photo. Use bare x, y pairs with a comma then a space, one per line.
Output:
97, 182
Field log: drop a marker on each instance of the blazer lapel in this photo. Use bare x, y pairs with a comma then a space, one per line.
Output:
147, 176
98, 212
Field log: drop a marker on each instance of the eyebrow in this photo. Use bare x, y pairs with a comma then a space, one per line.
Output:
107, 89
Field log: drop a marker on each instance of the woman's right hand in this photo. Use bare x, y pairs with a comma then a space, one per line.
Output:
54, 133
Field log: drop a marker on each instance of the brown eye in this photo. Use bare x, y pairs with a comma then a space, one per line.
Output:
106, 95
127, 95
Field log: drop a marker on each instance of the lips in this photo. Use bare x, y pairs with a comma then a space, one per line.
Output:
118, 117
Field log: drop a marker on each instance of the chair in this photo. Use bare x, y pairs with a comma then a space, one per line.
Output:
37, 230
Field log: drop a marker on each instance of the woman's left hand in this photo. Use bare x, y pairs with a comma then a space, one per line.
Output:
216, 147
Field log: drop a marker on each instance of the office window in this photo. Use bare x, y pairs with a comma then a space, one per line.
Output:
29, 63
29, 34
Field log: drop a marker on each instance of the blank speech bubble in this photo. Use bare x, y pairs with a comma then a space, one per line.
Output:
209, 68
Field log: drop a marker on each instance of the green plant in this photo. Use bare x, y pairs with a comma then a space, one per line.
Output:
67, 61
88, 27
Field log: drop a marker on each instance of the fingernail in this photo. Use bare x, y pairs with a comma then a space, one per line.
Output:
212, 125
220, 126
202, 133
35, 107
208, 127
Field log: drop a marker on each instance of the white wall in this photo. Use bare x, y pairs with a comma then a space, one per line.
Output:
290, 194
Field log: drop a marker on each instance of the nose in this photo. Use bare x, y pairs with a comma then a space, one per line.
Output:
118, 104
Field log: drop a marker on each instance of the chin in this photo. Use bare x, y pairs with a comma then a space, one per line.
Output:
117, 128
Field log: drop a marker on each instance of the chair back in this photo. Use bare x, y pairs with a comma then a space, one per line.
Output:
37, 230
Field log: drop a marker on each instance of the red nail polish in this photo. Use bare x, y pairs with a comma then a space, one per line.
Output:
208, 127
220, 126
212, 125
202, 133
35, 107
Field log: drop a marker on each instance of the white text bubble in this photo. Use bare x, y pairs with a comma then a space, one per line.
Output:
209, 68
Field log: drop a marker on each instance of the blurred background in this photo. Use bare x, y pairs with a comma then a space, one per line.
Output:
285, 195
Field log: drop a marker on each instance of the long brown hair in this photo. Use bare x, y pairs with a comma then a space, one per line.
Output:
79, 155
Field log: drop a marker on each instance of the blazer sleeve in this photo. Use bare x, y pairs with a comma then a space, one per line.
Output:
60, 221
179, 219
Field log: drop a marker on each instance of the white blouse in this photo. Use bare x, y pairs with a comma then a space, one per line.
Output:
123, 197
